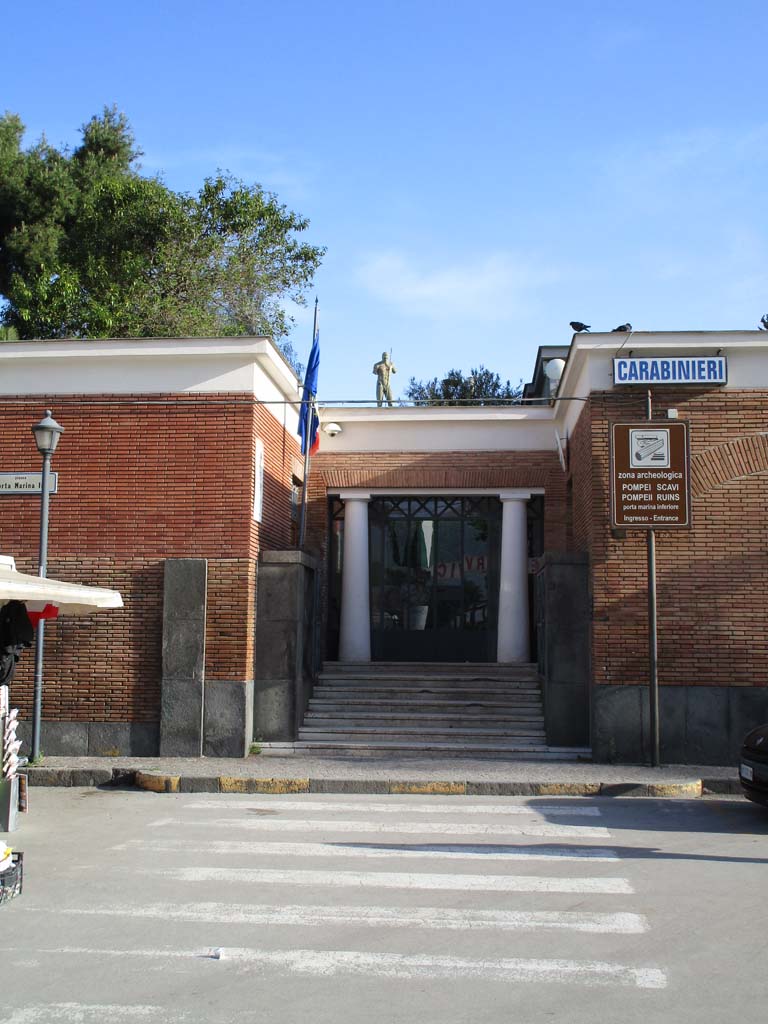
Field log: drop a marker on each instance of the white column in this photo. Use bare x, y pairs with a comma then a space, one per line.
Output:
512, 644
355, 635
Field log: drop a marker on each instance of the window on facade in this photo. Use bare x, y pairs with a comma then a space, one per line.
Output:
258, 481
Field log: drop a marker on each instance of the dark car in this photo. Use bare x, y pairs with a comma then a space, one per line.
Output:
753, 770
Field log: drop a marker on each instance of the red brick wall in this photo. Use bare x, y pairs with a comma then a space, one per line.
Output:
141, 479
439, 470
713, 617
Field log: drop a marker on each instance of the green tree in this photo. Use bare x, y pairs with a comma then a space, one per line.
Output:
479, 387
91, 248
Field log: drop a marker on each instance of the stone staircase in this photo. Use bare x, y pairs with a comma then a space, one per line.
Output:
465, 709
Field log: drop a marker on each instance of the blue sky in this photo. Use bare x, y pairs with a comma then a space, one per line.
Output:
481, 173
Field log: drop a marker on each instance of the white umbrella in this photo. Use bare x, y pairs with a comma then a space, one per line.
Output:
68, 598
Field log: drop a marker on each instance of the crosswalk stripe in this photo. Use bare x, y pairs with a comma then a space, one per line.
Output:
329, 962
303, 806
433, 851
432, 918
399, 880
404, 827
91, 1013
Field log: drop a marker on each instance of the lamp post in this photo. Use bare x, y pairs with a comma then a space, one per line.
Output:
47, 433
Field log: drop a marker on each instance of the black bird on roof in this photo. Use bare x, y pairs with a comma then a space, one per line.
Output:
626, 328
579, 327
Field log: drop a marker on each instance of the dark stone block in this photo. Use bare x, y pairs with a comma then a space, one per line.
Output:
697, 724
673, 711
274, 712
514, 789
64, 739
276, 649
181, 719
228, 722
748, 708
707, 725
181, 699
280, 592
199, 784
49, 776
567, 715
184, 649
102, 739
620, 724
725, 786
91, 776
107, 738
290, 557
185, 588
493, 789
24, 733
562, 615
286, 643
623, 789
144, 739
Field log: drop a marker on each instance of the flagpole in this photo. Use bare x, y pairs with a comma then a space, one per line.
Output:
310, 414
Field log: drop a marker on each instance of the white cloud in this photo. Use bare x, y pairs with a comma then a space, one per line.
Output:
273, 170
705, 165
496, 286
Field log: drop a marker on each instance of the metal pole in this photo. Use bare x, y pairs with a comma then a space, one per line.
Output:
653, 647
37, 708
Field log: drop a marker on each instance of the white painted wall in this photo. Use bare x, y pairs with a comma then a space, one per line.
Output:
152, 366
439, 429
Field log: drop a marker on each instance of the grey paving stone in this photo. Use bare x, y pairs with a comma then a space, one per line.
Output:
90, 776
490, 788
49, 777
199, 784
623, 789
724, 786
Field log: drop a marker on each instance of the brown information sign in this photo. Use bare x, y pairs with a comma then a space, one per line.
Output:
650, 483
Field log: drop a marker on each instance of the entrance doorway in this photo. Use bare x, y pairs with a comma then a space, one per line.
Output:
434, 571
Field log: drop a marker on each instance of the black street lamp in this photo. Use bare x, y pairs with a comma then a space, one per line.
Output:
47, 433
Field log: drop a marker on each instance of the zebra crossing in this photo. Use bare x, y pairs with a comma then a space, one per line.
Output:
408, 889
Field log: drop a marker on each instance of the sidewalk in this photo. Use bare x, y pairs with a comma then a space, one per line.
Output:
385, 774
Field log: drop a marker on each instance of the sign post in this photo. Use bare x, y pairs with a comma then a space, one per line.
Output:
650, 490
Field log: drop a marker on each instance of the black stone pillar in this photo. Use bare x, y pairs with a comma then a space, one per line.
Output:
286, 643
183, 686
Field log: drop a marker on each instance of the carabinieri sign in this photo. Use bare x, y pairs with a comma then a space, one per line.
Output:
671, 370
650, 478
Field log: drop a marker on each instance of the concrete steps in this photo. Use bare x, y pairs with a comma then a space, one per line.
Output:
397, 707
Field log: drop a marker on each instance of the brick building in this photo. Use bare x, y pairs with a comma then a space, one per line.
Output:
435, 535
177, 467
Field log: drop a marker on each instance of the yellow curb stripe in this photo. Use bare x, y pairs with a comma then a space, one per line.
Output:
430, 788
281, 785
679, 789
240, 784
232, 784
158, 783
566, 789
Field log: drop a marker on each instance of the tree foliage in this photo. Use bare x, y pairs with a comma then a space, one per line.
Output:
479, 387
91, 248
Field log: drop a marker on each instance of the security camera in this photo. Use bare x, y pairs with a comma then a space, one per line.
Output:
332, 429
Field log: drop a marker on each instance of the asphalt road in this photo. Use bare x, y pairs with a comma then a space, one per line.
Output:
141, 907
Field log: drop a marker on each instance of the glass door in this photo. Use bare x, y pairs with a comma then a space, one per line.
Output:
434, 578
